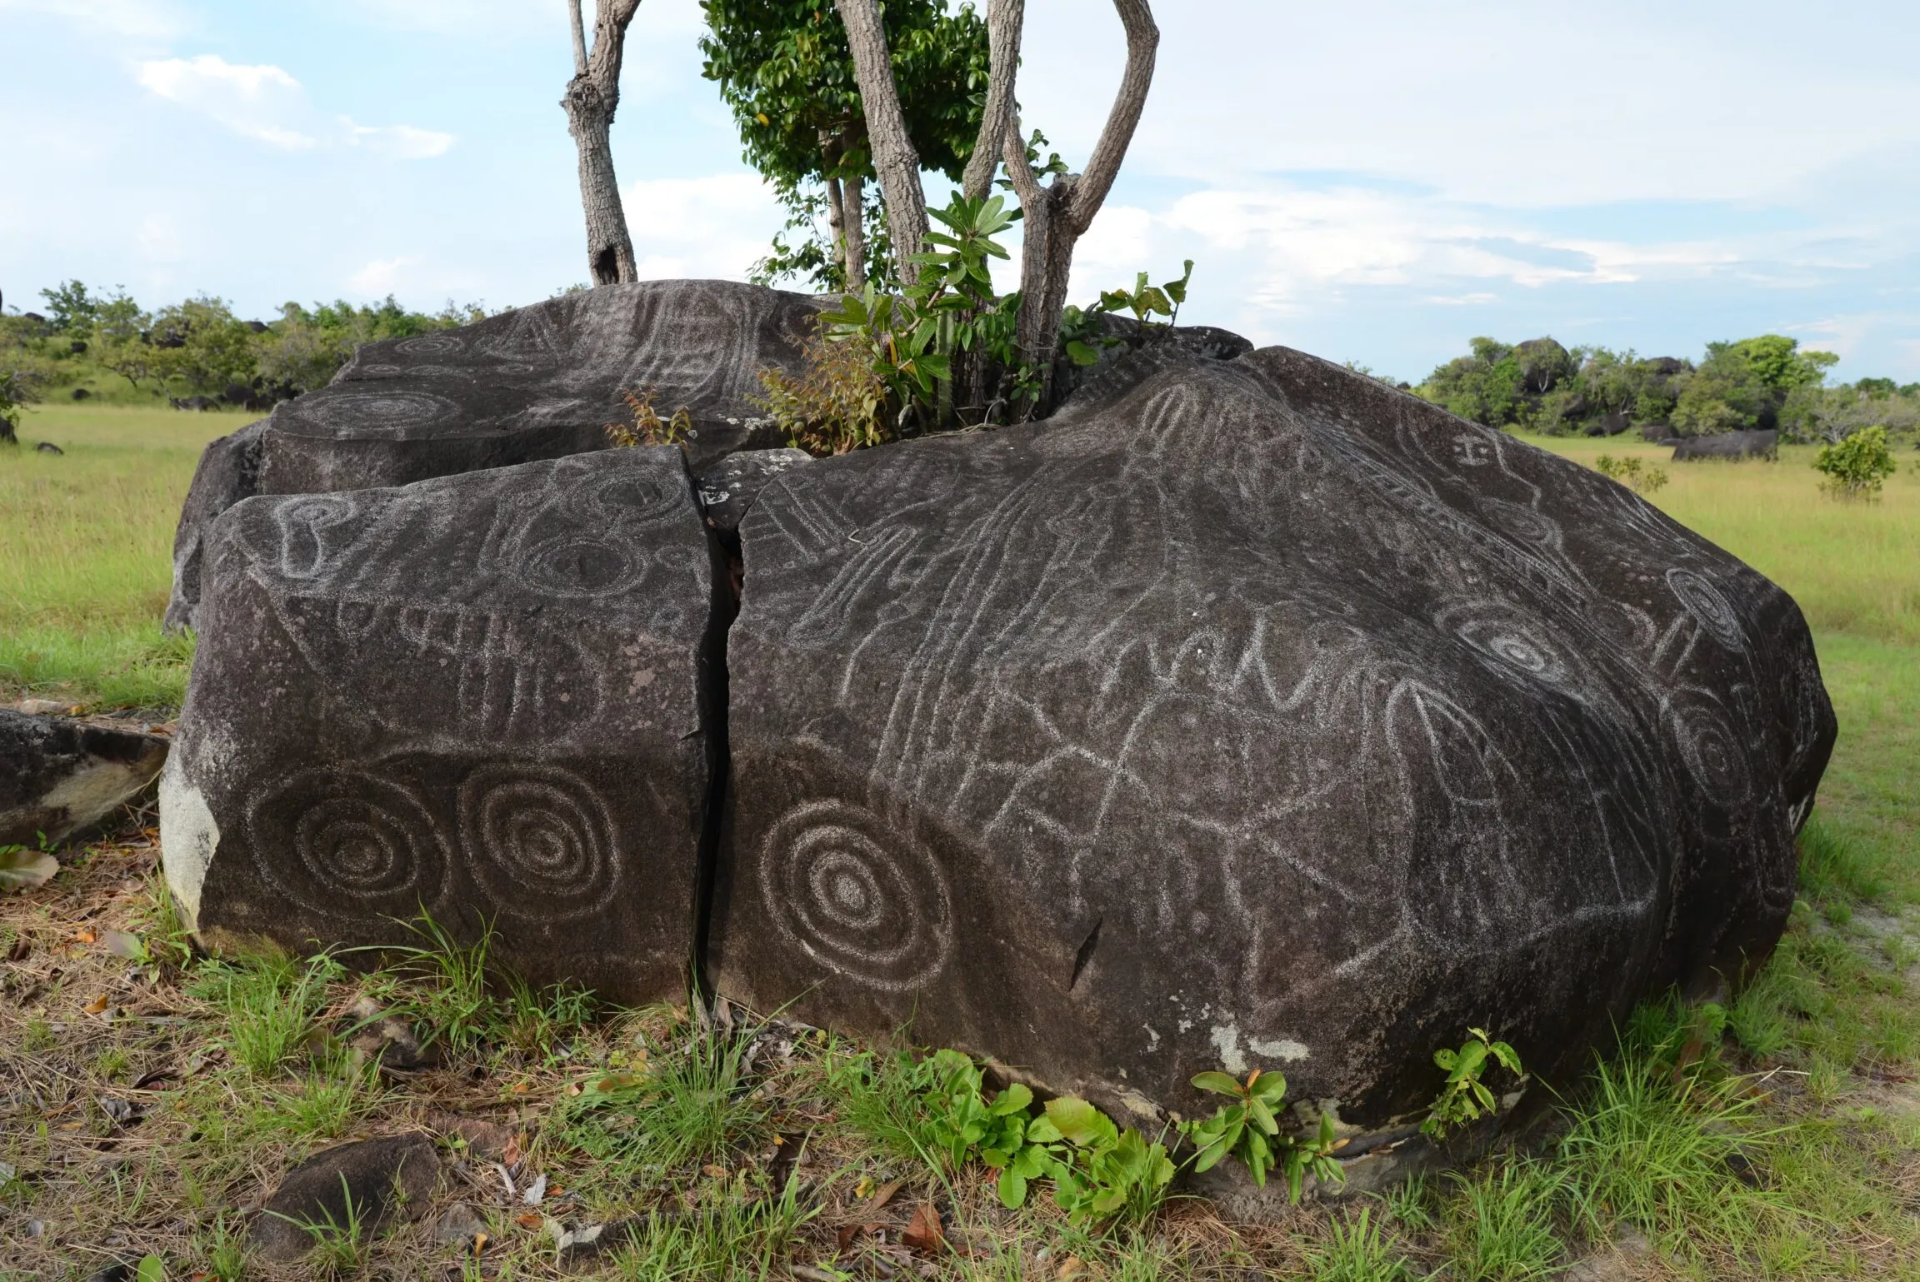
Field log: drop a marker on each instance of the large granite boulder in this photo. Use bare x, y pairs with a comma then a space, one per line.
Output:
1249, 714
1727, 445
538, 383
479, 696
59, 776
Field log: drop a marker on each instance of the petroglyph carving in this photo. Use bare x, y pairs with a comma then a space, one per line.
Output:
842, 884
1251, 678
539, 840
345, 842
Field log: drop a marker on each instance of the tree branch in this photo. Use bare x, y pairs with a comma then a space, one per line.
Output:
1025, 185
1005, 19
610, 21
579, 38
1143, 40
894, 158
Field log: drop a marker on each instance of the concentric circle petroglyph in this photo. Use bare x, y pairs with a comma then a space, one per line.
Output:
1711, 749
842, 884
394, 411
1509, 636
580, 563
539, 841
346, 843
1709, 605
432, 345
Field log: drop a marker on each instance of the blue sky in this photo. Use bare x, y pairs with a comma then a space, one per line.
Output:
1374, 181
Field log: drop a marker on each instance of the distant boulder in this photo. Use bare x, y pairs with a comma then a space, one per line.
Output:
1734, 445
1544, 365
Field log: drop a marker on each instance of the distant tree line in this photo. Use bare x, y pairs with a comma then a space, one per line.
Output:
195, 350
1767, 383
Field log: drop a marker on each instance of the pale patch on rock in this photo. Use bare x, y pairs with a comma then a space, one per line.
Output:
1284, 1049
1226, 1040
188, 838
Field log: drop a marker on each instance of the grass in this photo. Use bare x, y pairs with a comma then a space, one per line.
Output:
86, 543
1779, 1138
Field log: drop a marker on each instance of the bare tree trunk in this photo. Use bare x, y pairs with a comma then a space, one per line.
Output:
894, 157
1005, 19
591, 99
1058, 214
837, 223
856, 192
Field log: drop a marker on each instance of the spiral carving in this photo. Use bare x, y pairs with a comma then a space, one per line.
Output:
539, 841
1710, 606
1711, 749
343, 842
844, 885
432, 345
390, 410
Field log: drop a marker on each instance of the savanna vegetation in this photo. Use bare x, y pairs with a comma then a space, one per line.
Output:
1766, 383
152, 1095
102, 345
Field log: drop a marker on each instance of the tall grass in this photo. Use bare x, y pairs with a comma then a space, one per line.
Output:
86, 540
1853, 567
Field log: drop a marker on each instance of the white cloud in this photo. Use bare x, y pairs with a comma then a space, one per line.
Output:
717, 226
265, 103
128, 19
402, 142
253, 101
381, 276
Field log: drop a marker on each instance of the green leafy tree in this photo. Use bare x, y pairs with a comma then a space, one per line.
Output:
70, 308
786, 72
204, 346
304, 349
1749, 384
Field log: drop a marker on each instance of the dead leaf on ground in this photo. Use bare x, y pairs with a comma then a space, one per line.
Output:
97, 1005
883, 1195
23, 869
122, 944
924, 1234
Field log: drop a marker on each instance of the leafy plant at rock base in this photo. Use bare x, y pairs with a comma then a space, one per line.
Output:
1638, 475
936, 1109
1248, 1129
1465, 1097
647, 427
1106, 1173
1856, 467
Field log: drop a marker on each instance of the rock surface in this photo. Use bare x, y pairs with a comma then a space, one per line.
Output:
1727, 445
1249, 714
59, 777
478, 696
387, 1180
538, 383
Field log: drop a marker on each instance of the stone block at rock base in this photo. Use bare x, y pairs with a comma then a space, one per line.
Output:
478, 697
60, 776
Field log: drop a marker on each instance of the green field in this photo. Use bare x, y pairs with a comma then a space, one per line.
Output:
1776, 1138
86, 541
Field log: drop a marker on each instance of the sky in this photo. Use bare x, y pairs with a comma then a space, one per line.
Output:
1374, 181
